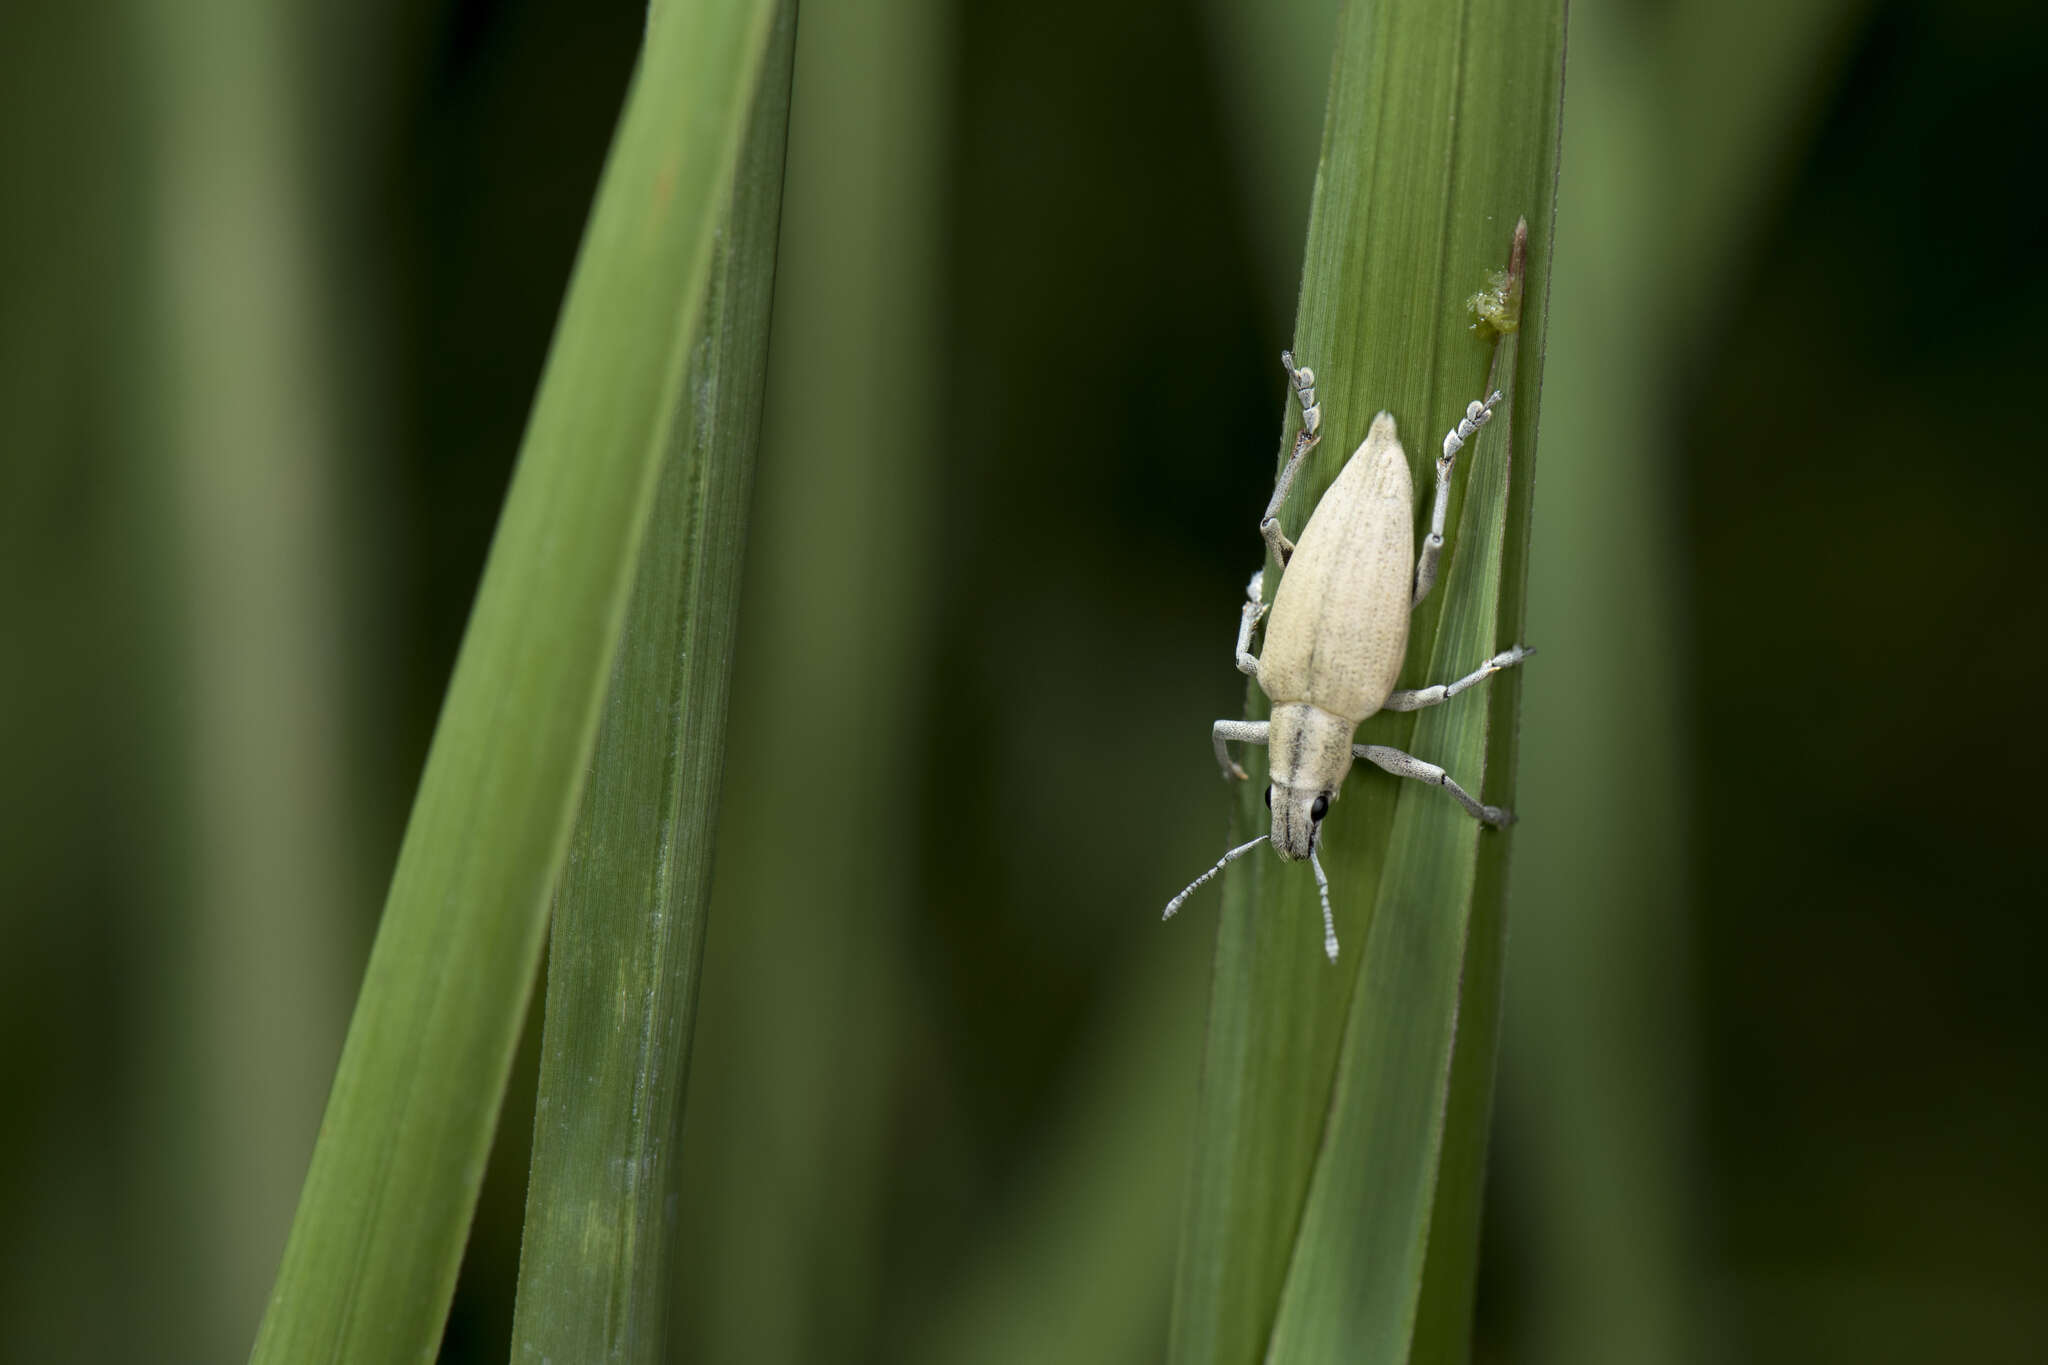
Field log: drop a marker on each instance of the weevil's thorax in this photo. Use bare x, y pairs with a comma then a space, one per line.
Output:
1309, 753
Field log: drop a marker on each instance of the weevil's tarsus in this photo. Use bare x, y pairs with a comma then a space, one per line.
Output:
1477, 414
1254, 609
1323, 890
1243, 731
1225, 861
1408, 765
1440, 692
1304, 381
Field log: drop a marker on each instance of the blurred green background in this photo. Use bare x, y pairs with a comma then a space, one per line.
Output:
275, 286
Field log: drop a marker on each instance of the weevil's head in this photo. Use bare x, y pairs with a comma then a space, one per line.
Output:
1297, 815
1310, 752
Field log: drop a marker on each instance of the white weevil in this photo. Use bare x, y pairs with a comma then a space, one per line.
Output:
1337, 634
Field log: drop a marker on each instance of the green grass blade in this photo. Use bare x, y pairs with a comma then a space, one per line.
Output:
1501, 513
596, 1271
1360, 1256
1315, 1176
378, 1237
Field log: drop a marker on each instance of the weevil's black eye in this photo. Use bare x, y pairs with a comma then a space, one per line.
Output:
1269, 798
1320, 808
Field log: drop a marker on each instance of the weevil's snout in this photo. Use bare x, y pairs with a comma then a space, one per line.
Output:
1296, 813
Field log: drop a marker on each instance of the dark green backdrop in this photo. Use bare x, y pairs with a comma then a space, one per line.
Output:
1098, 213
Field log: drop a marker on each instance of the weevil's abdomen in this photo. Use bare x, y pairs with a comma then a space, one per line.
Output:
1339, 625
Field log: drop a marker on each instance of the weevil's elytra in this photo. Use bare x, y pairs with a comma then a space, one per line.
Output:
1339, 625
1337, 632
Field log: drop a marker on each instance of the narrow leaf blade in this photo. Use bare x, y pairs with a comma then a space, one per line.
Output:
596, 1272
1440, 133
378, 1237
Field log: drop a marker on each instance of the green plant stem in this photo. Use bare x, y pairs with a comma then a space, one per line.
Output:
1323, 1117
378, 1237
596, 1272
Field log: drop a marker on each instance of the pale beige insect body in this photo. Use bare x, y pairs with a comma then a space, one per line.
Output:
1338, 629
1337, 632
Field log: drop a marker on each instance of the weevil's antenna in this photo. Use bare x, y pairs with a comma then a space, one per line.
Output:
1323, 890
1222, 863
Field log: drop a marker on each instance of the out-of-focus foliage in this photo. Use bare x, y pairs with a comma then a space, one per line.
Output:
1084, 296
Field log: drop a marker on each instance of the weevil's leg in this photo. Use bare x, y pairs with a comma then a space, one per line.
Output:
1408, 765
1245, 732
1477, 415
1430, 696
1254, 608
1304, 380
